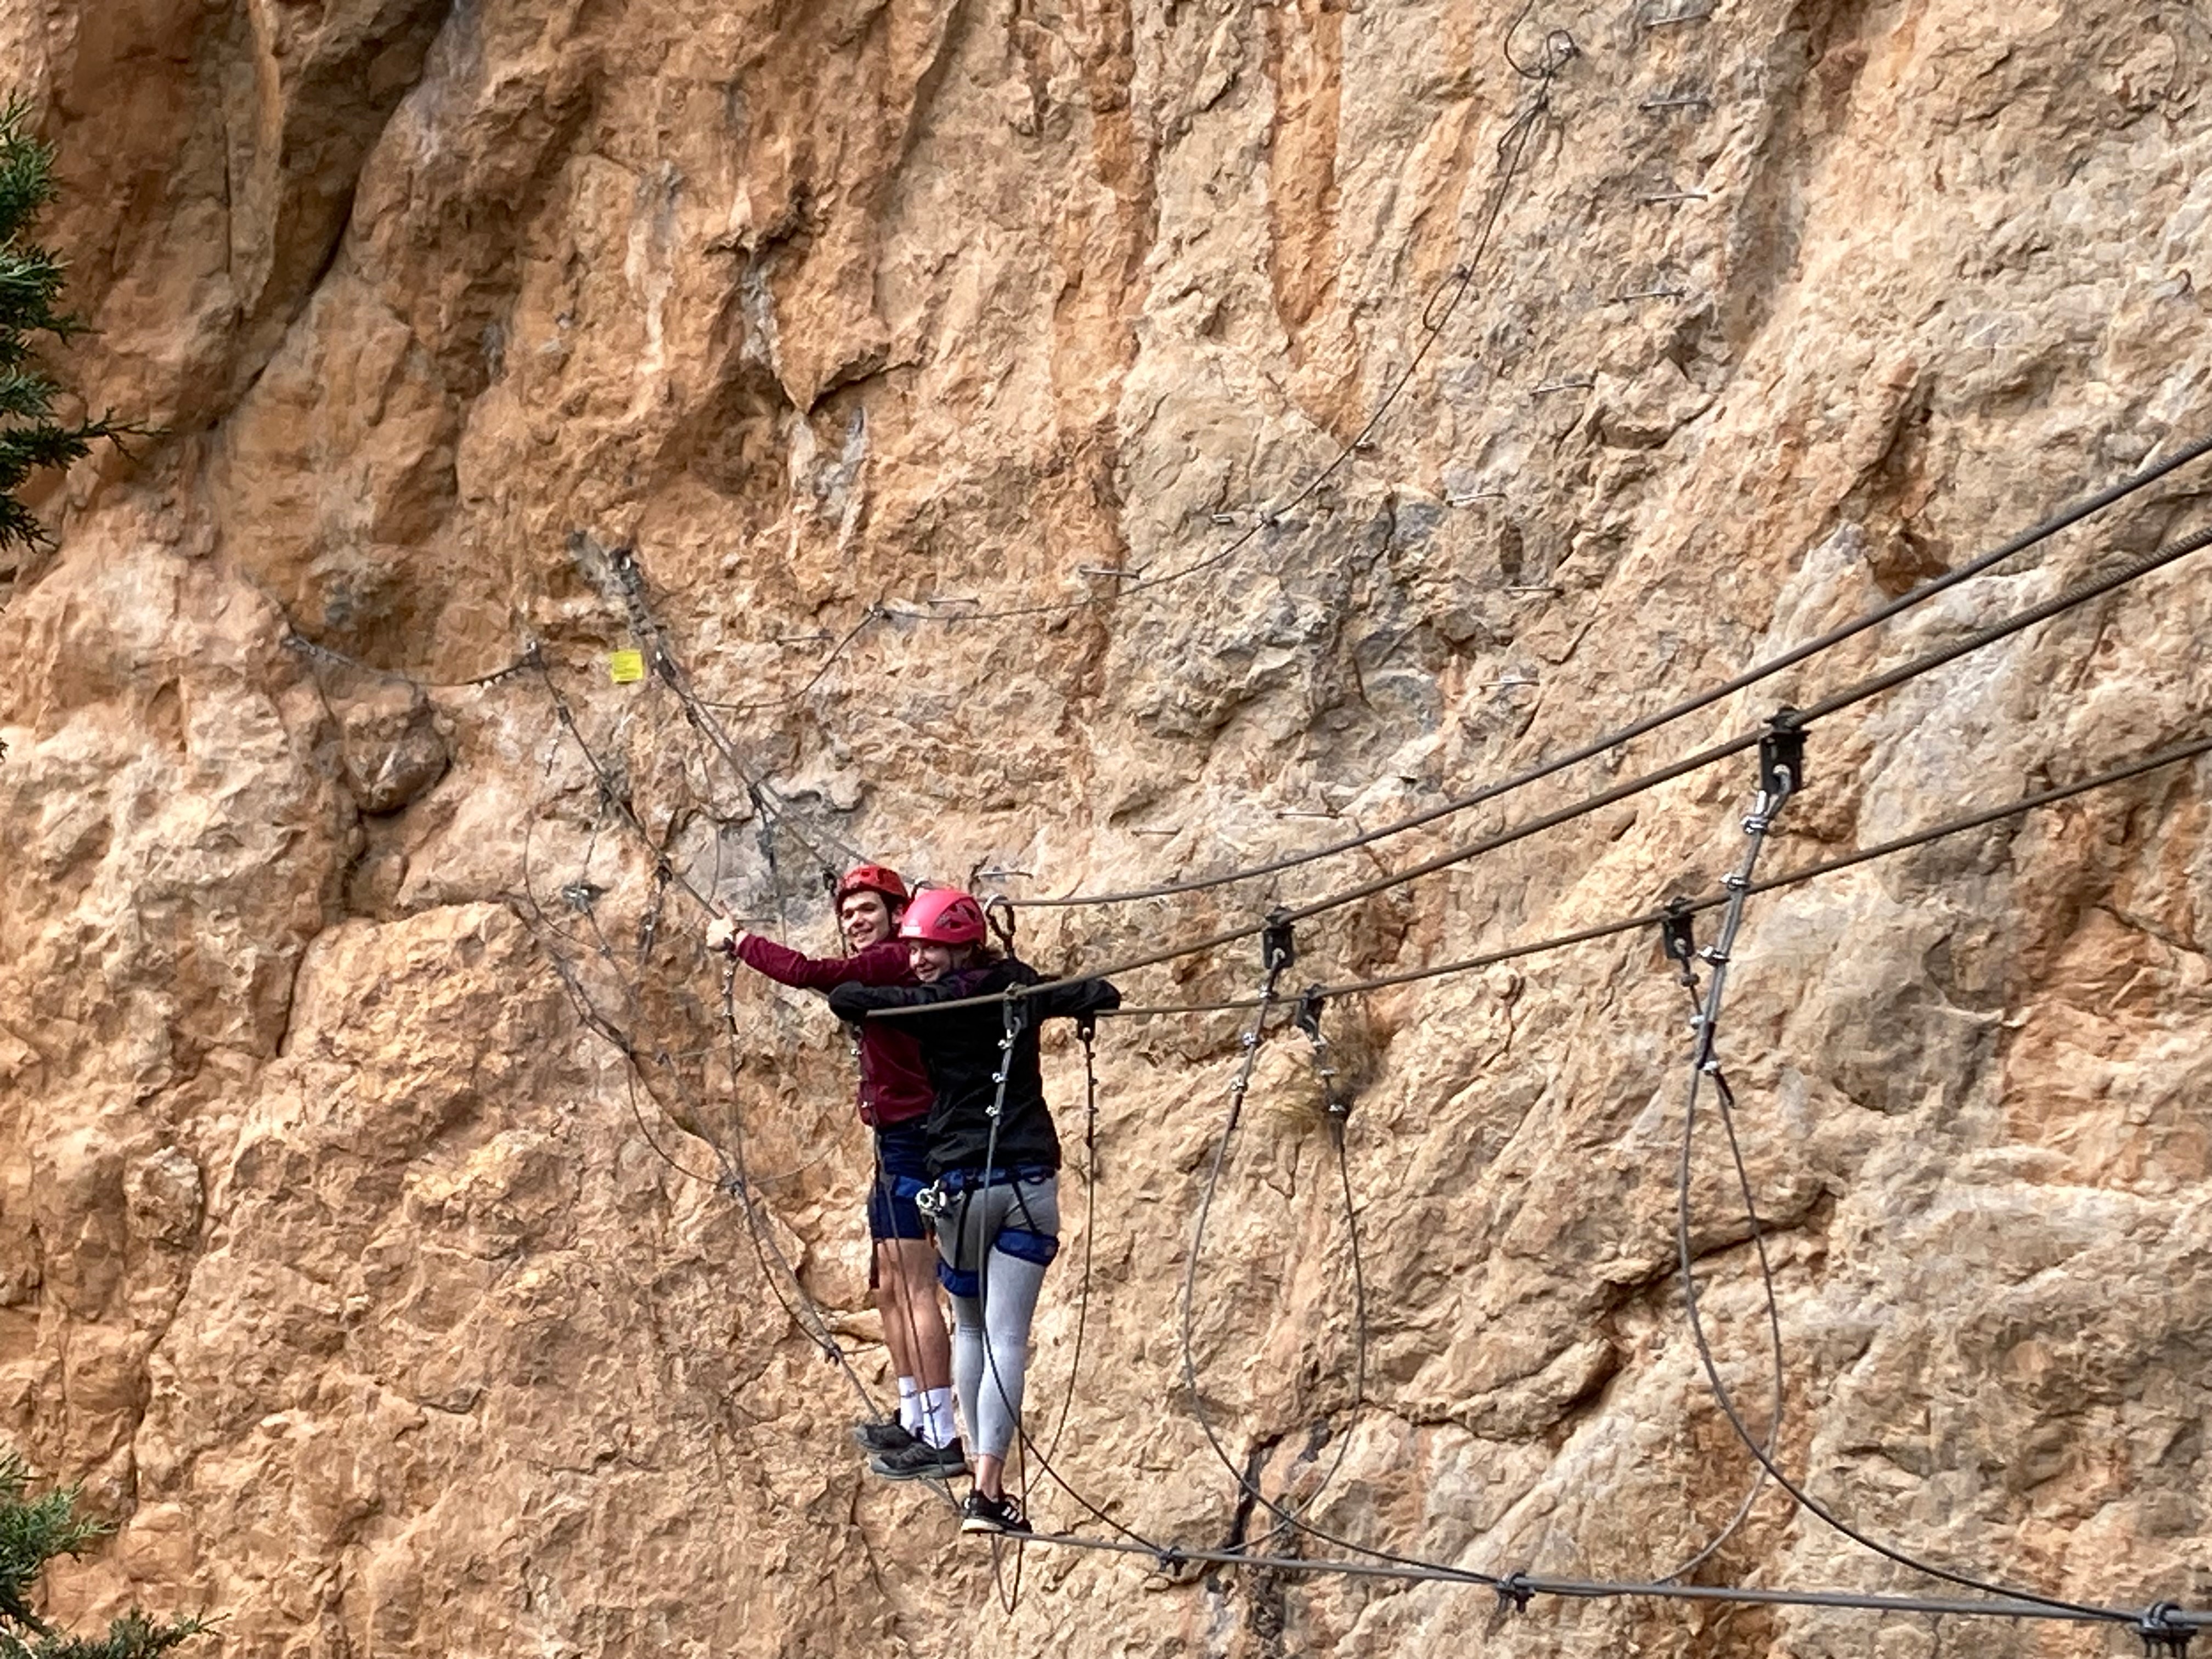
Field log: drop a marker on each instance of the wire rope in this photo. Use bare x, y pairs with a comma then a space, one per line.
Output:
1827, 640
1558, 50
1642, 921
2073, 597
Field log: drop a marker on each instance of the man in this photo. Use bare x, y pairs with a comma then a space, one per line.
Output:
895, 1101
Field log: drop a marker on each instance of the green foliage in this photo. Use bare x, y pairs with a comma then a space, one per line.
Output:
31, 280
35, 1530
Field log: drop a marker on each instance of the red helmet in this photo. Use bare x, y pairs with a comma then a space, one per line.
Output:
943, 916
873, 879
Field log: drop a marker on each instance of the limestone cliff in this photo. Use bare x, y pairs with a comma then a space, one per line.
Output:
1483, 387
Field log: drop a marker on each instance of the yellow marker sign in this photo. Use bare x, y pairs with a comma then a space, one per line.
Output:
625, 667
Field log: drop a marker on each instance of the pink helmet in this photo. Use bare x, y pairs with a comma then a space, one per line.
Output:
943, 916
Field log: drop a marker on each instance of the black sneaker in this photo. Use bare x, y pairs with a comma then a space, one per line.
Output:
884, 1434
922, 1462
981, 1514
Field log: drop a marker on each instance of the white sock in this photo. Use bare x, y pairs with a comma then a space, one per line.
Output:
910, 1411
939, 1429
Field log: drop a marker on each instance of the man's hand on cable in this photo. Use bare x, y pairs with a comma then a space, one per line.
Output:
723, 934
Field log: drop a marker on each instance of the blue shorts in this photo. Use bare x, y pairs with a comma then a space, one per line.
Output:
902, 1171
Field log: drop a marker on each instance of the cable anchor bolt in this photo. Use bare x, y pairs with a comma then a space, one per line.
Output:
1279, 945
1678, 937
1782, 756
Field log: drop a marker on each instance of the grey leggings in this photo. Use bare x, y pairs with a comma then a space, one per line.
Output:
991, 1327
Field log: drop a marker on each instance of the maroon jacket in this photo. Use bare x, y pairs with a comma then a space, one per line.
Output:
894, 1086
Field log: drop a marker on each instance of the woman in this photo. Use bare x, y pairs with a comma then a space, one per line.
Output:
893, 1101
994, 1155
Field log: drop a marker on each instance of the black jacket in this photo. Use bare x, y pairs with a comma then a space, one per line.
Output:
960, 1047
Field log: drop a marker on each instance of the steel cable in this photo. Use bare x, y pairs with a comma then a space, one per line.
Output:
2078, 594
1590, 750
1643, 921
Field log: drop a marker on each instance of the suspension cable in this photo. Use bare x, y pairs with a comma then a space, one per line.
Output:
1644, 919
2049, 528
2073, 597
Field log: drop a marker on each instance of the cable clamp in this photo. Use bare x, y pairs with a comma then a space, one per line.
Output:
1678, 931
1279, 945
1782, 755
2162, 1632
1515, 1592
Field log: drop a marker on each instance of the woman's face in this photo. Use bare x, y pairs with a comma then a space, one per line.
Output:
865, 918
930, 961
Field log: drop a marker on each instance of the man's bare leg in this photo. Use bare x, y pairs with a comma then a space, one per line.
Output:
913, 1327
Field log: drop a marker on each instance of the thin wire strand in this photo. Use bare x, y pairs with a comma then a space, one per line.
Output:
1751, 1496
1559, 49
1519, 1587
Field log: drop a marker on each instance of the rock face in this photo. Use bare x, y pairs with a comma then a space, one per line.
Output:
1065, 446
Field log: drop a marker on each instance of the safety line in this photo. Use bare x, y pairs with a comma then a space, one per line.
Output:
2062, 520
1644, 920
2079, 594
2022, 1604
297, 642
1287, 1519
1517, 1588
807, 1315
829, 661
1751, 1496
